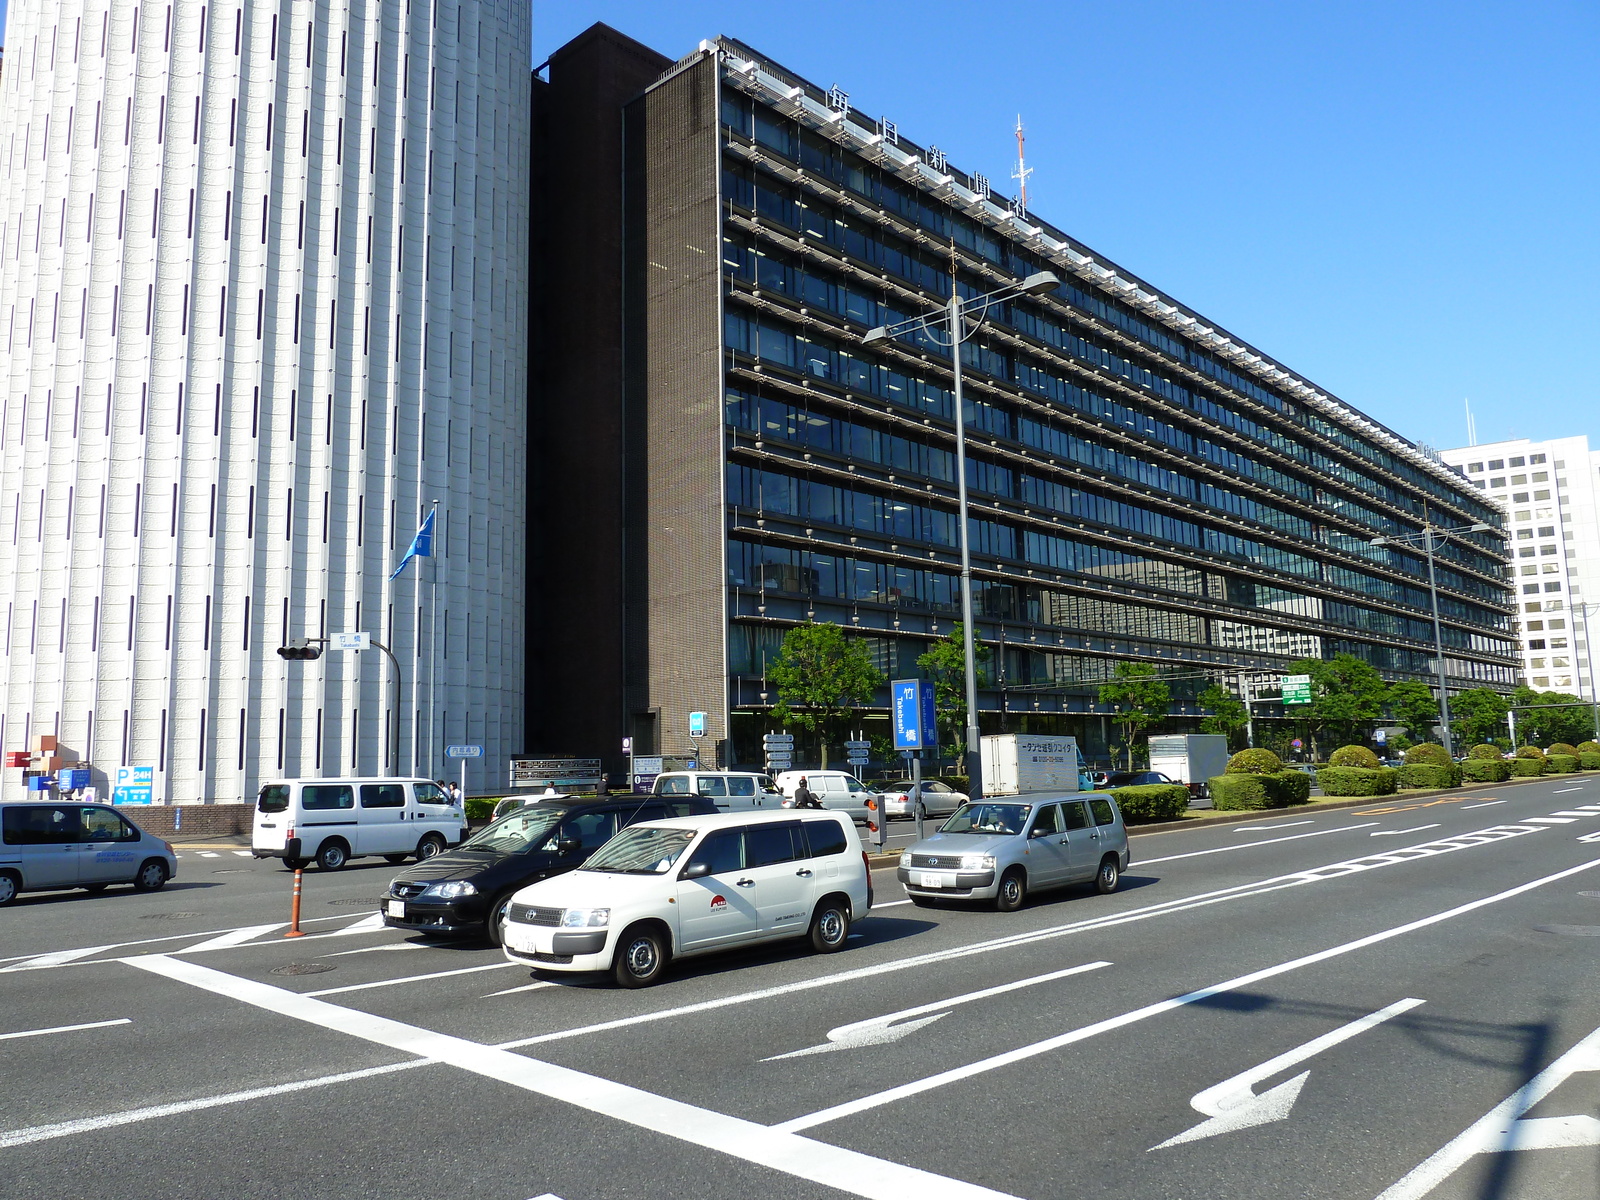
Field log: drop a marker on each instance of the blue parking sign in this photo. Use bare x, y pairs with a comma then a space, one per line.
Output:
912, 701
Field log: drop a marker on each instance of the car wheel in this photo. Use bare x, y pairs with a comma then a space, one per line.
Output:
8, 887
494, 928
641, 957
332, 855
396, 859
830, 926
152, 876
1013, 890
1109, 876
429, 846
295, 864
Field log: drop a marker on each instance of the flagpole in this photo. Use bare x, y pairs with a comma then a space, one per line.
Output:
433, 641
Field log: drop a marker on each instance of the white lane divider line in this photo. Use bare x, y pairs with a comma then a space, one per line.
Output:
1485, 804
1277, 825
1402, 832
1293, 837
890, 904
526, 987
43, 1133
73, 955
232, 938
1503, 1128
367, 924
1567, 812
376, 949
877, 1031
1559, 791
1547, 820
849, 1171
1233, 1104
361, 987
39, 962
995, 1062
28, 1033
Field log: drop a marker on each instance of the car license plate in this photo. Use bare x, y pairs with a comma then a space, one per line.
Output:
396, 908
932, 881
520, 939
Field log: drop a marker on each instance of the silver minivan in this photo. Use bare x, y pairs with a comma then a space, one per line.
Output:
50, 845
730, 791
1001, 848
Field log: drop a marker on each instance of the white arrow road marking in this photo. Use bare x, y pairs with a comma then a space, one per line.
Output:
876, 1031
1500, 1128
1259, 828
1399, 832
1233, 1105
1589, 837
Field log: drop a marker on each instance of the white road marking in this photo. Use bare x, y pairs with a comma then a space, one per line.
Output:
1547, 820
945, 1078
1269, 828
209, 854
27, 1033
1588, 808
1567, 812
1559, 791
41, 1133
877, 1031
73, 955
889, 904
1402, 832
1503, 1127
526, 987
232, 938
1293, 837
1485, 804
59, 958
1233, 1104
361, 987
368, 924
832, 1166
1589, 837
244, 854
368, 949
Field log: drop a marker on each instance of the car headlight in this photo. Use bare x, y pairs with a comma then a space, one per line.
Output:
582, 918
977, 862
453, 890
905, 858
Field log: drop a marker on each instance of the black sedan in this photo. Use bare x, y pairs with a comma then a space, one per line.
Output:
464, 892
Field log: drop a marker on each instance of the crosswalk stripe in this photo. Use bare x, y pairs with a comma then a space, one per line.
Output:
367, 924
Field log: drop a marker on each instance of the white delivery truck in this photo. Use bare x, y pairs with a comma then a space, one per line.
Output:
1190, 758
1017, 763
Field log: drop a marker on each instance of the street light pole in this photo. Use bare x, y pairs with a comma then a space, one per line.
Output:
1594, 686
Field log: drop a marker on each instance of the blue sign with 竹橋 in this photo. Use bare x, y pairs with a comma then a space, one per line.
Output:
912, 701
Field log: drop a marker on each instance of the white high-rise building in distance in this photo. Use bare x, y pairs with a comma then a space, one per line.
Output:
263, 272
1550, 489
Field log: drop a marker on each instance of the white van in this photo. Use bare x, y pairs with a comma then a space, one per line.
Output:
62, 844
836, 789
668, 889
331, 821
730, 791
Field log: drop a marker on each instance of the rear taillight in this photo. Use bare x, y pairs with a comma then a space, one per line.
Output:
290, 834
867, 864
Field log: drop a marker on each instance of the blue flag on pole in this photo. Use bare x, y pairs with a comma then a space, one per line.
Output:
421, 545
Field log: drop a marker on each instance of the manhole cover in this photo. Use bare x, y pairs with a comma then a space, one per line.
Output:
303, 969
168, 916
356, 903
1571, 930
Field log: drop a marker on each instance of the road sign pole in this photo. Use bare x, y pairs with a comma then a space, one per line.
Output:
916, 791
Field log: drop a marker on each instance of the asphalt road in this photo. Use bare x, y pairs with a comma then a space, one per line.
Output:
1391, 1001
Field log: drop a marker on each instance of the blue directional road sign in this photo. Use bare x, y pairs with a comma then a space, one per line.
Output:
914, 725
697, 724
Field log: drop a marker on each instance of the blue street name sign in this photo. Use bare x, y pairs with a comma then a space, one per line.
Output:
463, 751
914, 725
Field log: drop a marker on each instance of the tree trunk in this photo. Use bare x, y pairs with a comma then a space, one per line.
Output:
824, 740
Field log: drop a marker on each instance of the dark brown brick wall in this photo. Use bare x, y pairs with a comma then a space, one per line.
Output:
178, 821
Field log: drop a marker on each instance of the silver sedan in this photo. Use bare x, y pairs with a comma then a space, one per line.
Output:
938, 799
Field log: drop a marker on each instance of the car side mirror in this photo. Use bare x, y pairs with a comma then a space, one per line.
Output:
696, 870
1037, 833
568, 846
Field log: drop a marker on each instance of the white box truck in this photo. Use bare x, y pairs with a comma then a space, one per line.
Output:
1014, 763
1190, 758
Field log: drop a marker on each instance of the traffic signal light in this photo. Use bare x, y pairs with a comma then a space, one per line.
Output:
300, 648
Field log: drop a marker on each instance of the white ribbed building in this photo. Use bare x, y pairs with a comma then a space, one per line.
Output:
263, 277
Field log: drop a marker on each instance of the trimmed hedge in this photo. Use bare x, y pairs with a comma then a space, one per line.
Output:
1521, 767
1560, 764
1288, 787
1254, 762
1148, 802
1560, 748
1353, 756
1429, 775
1428, 754
1484, 750
480, 808
1589, 748
1357, 781
1530, 752
1483, 770
1247, 792
1589, 760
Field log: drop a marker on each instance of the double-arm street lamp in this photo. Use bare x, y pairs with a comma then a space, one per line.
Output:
1428, 537
949, 327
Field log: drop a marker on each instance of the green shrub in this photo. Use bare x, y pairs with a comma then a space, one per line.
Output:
1526, 766
1560, 764
1357, 781
1254, 762
1530, 752
481, 808
1237, 792
1354, 756
1560, 748
1484, 750
1589, 760
1428, 754
1589, 747
1287, 787
1152, 802
1486, 770
1430, 775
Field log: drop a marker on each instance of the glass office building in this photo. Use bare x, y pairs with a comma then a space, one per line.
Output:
1143, 486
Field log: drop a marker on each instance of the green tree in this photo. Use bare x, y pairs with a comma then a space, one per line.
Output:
1413, 705
1478, 716
1539, 723
1137, 698
946, 664
1347, 696
821, 677
1229, 714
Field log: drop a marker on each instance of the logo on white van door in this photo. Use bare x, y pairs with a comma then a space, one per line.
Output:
718, 902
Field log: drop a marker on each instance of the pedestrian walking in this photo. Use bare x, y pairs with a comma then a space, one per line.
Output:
804, 797
456, 795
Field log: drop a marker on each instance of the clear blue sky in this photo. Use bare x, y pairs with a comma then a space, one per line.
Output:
1398, 200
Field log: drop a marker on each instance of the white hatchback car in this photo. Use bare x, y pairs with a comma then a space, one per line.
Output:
693, 885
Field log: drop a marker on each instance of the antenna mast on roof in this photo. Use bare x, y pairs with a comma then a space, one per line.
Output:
1023, 170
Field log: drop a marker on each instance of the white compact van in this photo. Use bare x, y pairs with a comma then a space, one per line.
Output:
668, 889
836, 789
730, 791
331, 821
62, 844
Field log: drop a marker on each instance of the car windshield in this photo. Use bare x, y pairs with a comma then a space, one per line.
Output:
517, 830
987, 818
640, 850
